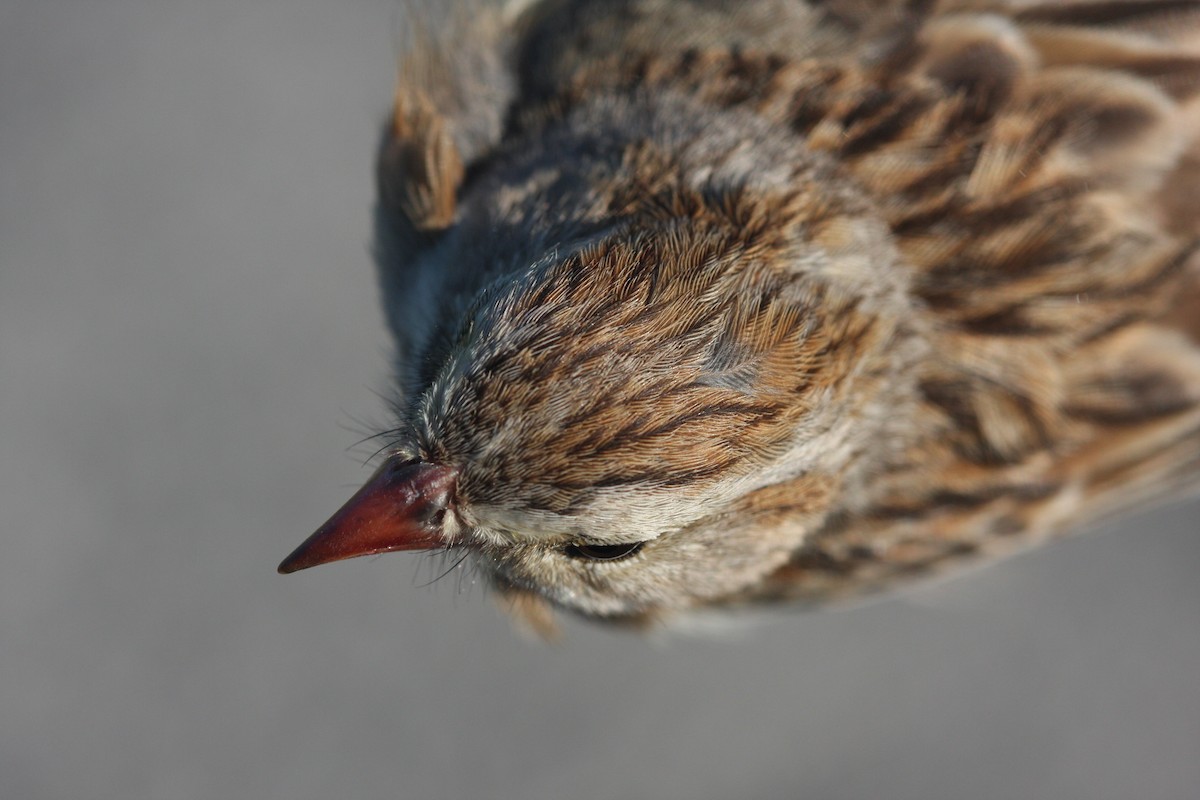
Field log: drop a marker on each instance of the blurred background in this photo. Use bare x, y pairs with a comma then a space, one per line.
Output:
189, 342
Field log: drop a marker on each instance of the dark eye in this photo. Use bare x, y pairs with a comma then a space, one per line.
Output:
603, 552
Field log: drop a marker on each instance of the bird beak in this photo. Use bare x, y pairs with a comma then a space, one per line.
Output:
400, 508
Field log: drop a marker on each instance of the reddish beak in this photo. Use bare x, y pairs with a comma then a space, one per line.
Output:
400, 508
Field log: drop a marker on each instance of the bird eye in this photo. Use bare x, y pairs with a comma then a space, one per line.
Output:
603, 552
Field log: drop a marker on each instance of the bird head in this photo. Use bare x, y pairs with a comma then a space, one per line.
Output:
649, 420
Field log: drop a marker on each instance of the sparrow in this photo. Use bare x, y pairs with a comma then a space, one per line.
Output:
704, 305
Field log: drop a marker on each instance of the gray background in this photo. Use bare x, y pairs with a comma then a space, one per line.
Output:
188, 326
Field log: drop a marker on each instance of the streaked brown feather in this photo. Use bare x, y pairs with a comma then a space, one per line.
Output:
1083, 397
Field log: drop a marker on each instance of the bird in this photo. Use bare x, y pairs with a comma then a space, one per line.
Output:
704, 306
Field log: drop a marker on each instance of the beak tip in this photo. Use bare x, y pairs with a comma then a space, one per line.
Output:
293, 563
